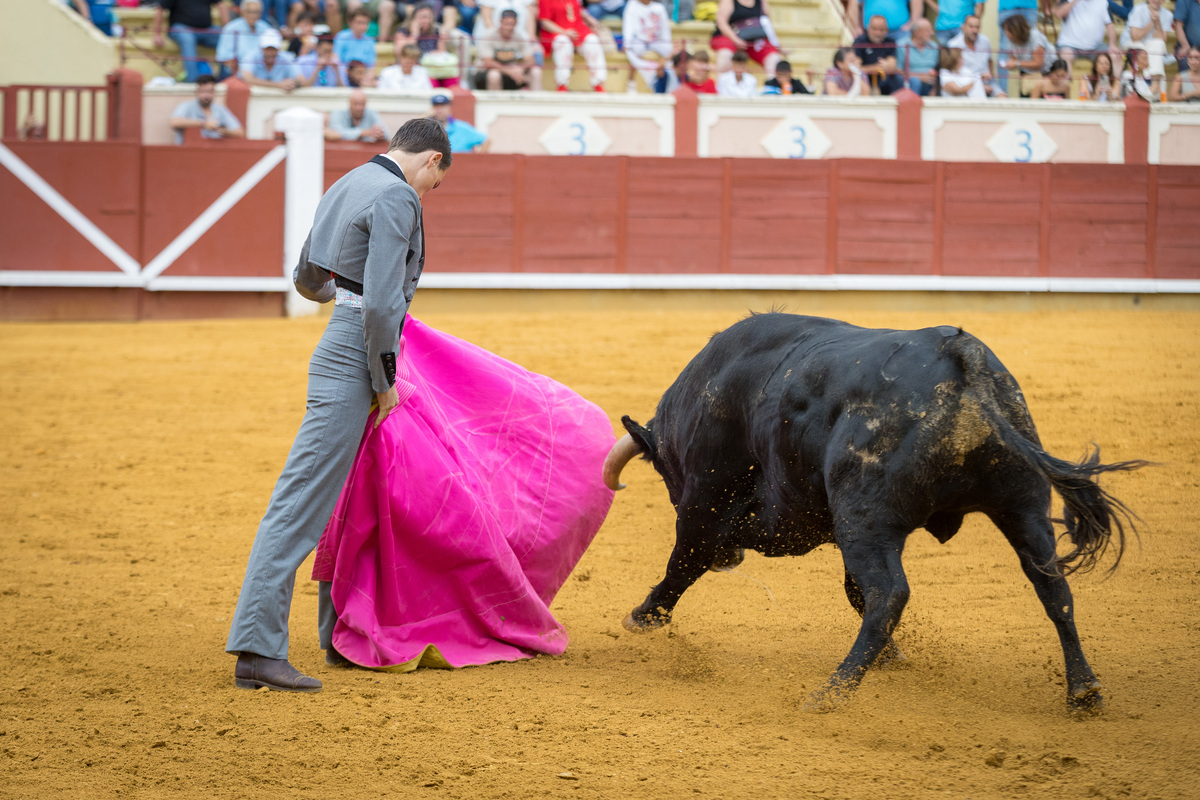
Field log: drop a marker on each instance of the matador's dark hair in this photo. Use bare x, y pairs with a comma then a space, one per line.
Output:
422, 134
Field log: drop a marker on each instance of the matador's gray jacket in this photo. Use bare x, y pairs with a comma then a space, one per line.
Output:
368, 233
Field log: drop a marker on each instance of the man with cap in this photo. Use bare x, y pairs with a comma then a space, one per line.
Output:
464, 138
366, 252
275, 67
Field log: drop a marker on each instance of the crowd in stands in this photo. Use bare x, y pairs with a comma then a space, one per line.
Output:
289, 44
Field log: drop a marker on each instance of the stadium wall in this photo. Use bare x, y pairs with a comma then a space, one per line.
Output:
80, 54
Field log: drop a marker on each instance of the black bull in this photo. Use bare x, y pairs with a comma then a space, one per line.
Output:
788, 432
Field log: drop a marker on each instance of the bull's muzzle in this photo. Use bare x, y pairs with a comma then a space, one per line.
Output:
620, 454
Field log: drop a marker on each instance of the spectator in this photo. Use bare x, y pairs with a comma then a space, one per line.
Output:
422, 30
1103, 84
382, 12
646, 37
214, 121
920, 58
189, 25
783, 82
507, 57
358, 76
1149, 23
275, 67
320, 10
898, 13
1030, 52
696, 77
748, 28
304, 37
321, 67
738, 82
977, 54
276, 13
844, 78
1027, 11
1187, 30
239, 44
565, 28
406, 75
468, 11
353, 44
607, 8
356, 123
958, 80
1086, 25
464, 138
1186, 86
488, 17
1055, 85
1140, 78
877, 53
951, 14
97, 12
670, 74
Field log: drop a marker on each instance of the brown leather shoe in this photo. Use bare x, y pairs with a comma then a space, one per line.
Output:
254, 671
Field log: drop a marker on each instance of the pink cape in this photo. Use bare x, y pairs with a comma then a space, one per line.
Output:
464, 512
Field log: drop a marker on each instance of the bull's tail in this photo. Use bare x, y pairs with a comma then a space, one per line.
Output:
1094, 520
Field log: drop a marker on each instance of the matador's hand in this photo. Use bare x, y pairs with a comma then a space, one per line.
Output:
387, 404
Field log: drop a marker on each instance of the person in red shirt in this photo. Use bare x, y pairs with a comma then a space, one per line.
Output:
697, 77
566, 27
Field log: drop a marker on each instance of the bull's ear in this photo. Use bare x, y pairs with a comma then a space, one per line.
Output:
643, 436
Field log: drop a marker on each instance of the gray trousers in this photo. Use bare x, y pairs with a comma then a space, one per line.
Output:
339, 401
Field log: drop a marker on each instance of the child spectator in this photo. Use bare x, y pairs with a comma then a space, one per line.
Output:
696, 78
783, 82
304, 39
737, 82
960, 81
844, 78
406, 75
353, 44
321, 67
646, 37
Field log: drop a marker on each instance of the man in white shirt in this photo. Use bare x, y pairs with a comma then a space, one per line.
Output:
1086, 26
976, 53
646, 28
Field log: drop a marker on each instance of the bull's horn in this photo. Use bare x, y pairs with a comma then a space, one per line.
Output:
625, 449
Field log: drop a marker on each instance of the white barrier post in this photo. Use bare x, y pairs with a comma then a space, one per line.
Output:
304, 184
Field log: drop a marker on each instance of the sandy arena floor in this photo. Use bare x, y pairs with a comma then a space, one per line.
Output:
137, 459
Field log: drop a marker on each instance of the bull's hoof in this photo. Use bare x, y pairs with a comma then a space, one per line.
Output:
890, 656
1086, 699
727, 560
644, 623
829, 697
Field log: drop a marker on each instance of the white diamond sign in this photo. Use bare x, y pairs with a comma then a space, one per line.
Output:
1023, 142
796, 136
575, 135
